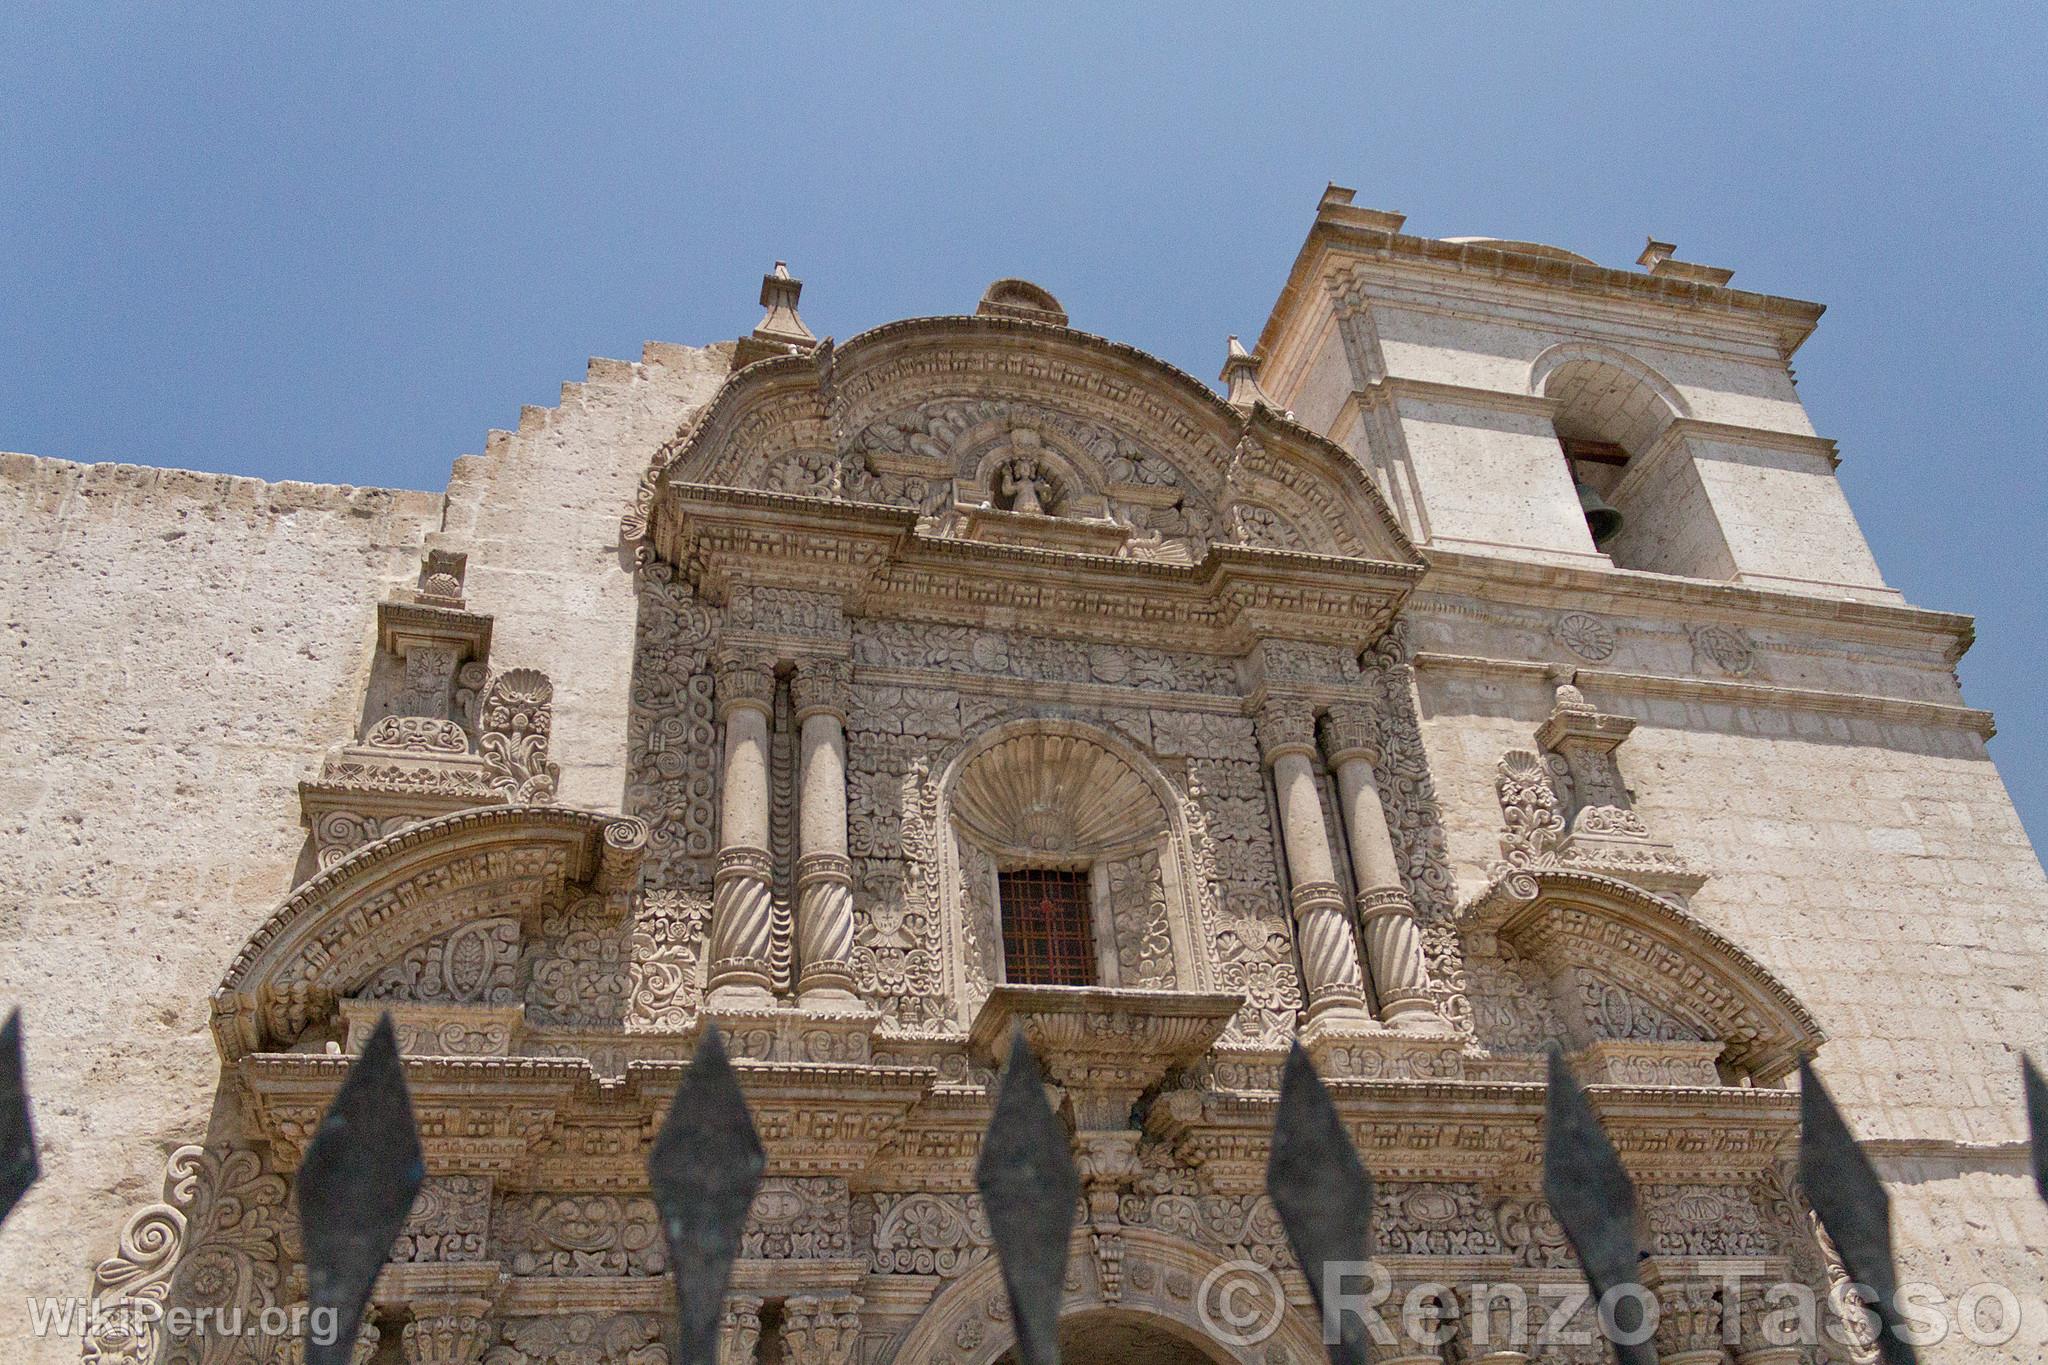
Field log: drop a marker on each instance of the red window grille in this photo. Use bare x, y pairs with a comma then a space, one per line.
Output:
1048, 936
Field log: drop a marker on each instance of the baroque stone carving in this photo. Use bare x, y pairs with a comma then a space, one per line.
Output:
673, 732
920, 1233
477, 963
516, 722
211, 1242
581, 1339
1585, 635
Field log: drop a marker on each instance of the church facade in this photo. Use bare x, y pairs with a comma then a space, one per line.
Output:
1493, 662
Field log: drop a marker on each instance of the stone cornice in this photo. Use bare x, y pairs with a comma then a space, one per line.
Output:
1500, 577
873, 554
1726, 692
1344, 231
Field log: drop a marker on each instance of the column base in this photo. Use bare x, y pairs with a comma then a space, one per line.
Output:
1412, 1014
834, 995
1358, 1048
739, 995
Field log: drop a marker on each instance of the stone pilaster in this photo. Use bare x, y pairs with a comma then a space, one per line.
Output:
820, 1329
1393, 938
742, 906
739, 1331
1329, 951
448, 1332
824, 882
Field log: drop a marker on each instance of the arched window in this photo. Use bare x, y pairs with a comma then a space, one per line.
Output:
1613, 416
1069, 865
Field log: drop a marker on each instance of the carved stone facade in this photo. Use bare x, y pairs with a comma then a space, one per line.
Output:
964, 598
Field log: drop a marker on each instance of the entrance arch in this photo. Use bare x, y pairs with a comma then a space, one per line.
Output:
1155, 1317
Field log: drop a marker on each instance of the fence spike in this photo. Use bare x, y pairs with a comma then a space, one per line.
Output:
1594, 1201
704, 1170
2037, 1121
1029, 1189
1322, 1192
1852, 1205
357, 1183
18, 1166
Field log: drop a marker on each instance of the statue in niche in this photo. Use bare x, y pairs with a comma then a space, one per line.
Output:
1024, 487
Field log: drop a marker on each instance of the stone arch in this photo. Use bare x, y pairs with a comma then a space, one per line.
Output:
331, 935
1160, 1286
873, 421
1582, 929
1606, 394
1009, 797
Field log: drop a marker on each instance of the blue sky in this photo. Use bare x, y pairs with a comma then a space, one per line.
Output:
339, 243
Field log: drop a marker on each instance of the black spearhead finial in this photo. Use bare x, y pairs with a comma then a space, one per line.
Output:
1851, 1203
1322, 1193
704, 1171
18, 1166
362, 1171
1594, 1201
1029, 1188
2037, 1121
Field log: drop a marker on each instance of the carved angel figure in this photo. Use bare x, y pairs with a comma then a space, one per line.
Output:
1024, 486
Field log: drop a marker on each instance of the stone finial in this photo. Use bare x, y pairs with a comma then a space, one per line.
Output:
1241, 378
779, 292
780, 331
1572, 702
441, 574
1021, 299
1658, 260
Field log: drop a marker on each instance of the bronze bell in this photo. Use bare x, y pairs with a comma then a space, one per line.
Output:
1603, 521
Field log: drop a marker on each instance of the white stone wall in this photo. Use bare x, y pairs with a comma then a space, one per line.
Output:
538, 514
1878, 869
179, 649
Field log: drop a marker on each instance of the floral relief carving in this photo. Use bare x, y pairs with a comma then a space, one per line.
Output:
666, 976
922, 1234
212, 1241
673, 732
474, 964
1144, 939
447, 1222
1446, 1218
581, 972
579, 1235
1585, 635
581, 1339
516, 721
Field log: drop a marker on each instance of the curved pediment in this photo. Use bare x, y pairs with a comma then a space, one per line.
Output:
486, 872
1662, 973
1016, 432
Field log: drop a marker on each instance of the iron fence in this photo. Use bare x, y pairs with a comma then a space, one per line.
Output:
364, 1167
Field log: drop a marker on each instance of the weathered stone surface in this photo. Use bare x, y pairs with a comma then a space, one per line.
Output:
772, 687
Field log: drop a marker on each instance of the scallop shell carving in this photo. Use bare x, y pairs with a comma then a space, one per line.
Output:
1051, 793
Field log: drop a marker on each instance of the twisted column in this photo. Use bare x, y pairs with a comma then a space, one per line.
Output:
1393, 938
742, 904
824, 872
1329, 953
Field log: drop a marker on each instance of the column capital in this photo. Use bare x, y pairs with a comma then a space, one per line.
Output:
744, 678
820, 1329
1285, 726
1351, 730
821, 686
